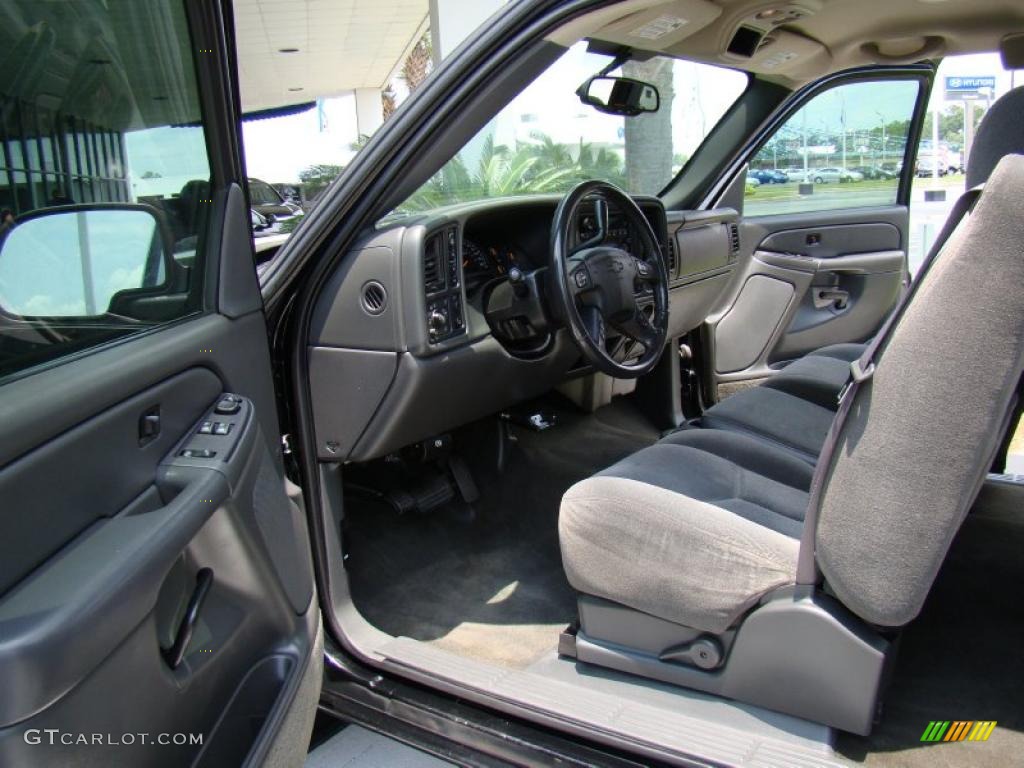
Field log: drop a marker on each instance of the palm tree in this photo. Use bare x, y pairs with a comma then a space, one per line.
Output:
649, 136
500, 172
387, 102
602, 164
418, 63
550, 153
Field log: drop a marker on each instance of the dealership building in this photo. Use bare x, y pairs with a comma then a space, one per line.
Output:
57, 148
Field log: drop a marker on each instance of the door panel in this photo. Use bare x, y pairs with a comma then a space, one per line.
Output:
118, 531
746, 328
157, 601
805, 281
824, 237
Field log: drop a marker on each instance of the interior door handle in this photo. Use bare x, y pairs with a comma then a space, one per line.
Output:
97, 592
174, 654
830, 297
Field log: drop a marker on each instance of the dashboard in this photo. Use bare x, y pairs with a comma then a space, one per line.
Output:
494, 242
417, 331
482, 263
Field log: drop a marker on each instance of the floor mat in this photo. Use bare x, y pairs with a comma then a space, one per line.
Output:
492, 589
961, 660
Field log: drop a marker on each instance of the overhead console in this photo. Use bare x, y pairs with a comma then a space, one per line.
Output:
758, 41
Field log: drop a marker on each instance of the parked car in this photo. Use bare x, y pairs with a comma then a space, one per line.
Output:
752, 179
766, 176
445, 468
925, 166
270, 204
874, 172
830, 175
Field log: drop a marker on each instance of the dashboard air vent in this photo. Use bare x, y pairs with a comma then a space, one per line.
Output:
434, 264
375, 298
734, 240
673, 258
442, 285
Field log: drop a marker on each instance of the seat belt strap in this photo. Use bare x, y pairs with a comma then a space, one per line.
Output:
861, 370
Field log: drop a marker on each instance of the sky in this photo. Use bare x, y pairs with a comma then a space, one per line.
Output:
276, 149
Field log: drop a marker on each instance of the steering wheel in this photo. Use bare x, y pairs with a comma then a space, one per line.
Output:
598, 284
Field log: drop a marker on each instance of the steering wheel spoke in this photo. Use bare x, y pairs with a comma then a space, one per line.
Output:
593, 323
639, 329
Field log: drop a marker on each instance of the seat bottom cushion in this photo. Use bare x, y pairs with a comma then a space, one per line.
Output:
694, 529
847, 352
815, 378
775, 416
820, 375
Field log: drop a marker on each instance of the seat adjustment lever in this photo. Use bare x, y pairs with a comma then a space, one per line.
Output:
704, 652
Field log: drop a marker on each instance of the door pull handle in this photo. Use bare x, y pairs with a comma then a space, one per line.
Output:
830, 297
174, 654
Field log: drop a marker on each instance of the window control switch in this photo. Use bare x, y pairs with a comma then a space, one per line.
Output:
206, 428
221, 428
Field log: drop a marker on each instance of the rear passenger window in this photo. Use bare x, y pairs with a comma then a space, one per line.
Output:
845, 148
104, 176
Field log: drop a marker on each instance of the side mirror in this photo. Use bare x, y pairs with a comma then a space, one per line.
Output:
619, 95
84, 260
258, 220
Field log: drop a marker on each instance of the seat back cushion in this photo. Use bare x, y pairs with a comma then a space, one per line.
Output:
922, 433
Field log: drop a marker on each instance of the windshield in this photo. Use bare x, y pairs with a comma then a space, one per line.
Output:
546, 140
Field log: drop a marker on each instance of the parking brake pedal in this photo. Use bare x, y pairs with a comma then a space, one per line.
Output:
538, 421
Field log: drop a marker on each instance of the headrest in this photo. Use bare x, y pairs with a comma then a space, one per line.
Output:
1001, 133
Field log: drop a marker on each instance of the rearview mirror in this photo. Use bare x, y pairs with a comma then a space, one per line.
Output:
619, 95
80, 260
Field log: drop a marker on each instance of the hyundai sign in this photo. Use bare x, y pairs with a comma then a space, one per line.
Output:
959, 88
954, 84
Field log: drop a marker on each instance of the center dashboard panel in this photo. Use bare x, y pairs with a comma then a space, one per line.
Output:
442, 285
401, 348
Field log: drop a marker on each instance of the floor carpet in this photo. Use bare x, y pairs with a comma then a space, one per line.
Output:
963, 658
491, 588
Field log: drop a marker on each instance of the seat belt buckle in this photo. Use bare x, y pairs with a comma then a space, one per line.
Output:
858, 375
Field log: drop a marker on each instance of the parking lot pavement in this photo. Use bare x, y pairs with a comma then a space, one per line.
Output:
356, 747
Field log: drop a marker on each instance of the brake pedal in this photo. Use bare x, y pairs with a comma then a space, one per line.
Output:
463, 479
